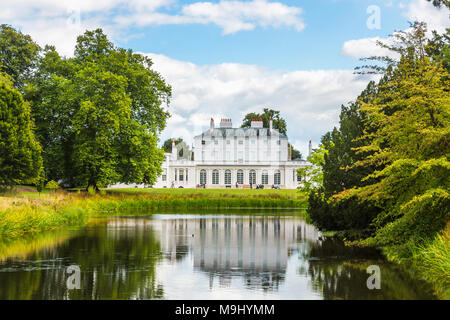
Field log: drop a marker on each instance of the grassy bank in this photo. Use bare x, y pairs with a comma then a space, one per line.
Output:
430, 261
30, 212
427, 260
19, 216
156, 199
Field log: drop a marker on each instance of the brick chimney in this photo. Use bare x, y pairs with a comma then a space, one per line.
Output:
257, 123
226, 123
211, 124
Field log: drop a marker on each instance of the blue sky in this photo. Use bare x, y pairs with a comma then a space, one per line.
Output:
328, 24
230, 57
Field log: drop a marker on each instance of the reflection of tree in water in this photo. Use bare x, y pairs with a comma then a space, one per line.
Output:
339, 272
115, 264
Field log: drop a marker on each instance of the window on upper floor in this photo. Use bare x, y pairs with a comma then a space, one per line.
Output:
228, 142
216, 142
253, 141
203, 142
241, 142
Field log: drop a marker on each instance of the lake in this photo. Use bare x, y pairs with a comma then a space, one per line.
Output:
197, 256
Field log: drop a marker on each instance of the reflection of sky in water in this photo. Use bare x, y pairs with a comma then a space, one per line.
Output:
197, 257
233, 257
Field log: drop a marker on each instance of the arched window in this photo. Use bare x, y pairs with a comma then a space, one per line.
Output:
265, 177
227, 177
203, 177
277, 177
181, 174
215, 177
252, 177
240, 177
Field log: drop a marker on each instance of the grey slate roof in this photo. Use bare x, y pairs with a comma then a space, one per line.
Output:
242, 132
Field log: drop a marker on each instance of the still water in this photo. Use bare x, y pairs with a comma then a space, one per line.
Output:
189, 256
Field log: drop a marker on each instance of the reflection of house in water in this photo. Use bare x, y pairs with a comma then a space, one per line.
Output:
256, 247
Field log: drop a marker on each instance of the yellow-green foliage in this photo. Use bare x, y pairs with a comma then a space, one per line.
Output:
21, 247
28, 216
52, 185
33, 214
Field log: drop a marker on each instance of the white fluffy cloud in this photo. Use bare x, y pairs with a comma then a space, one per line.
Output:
58, 22
364, 48
417, 10
309, 100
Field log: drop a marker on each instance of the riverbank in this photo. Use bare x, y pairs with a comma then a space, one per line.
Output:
29, 212
429, 260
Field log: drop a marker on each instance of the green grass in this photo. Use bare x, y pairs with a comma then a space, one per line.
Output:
22, 216
160, 199
238, 193
28, 212
432, 262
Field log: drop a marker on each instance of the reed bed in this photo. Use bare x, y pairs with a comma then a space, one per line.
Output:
432, 261
24, 214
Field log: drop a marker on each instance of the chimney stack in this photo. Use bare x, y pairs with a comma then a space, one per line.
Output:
174, 150
310, 148
271, 124
211, 124
226, 123
256, 123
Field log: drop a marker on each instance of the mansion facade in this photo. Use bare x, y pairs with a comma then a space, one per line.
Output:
224, 156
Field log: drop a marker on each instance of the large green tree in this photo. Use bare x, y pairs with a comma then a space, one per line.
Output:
98, 115
18, 54
20, 153
400, 157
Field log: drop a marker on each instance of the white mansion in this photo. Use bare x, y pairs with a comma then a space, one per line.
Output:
225, 156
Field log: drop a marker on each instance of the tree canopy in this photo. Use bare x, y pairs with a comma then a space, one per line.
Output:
98, 115
387, 170
18, 55
20, 153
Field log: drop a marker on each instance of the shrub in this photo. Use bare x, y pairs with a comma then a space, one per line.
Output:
52, 185
340, 214
91, 191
